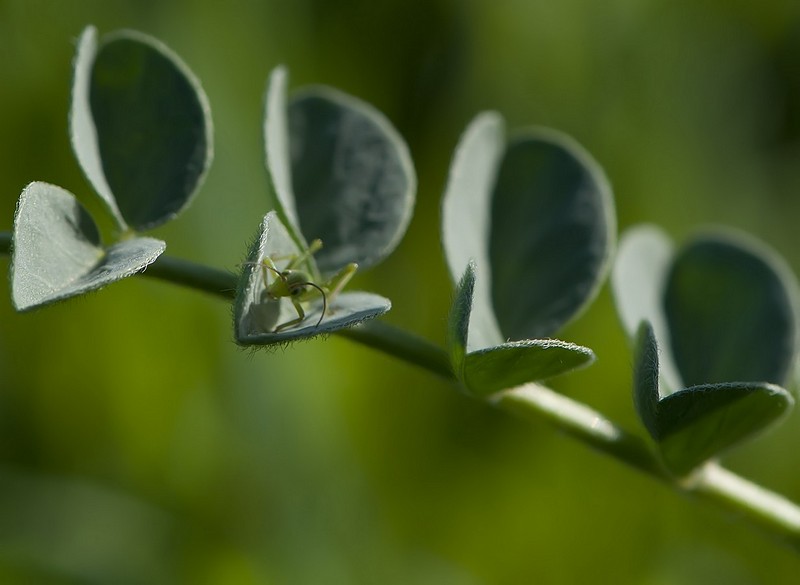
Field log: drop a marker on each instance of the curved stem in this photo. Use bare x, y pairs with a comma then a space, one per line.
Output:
536, 402
776, 514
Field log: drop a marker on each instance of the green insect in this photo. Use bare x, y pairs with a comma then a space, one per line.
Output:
298, 286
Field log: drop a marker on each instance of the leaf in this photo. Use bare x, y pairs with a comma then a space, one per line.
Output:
57, 252
640, 271
703, 421
552, 232
277, 152
729, 303
726, 307
696, 424
352, 177
645, 378
466, 220
458, 321
256, 316
638, 279
82, 130
510, 364
140, 126
490, 370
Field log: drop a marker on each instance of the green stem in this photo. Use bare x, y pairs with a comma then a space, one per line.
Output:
376, 334
774, 513
401, 344
197, 276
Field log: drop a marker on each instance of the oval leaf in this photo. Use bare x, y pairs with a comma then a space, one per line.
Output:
465, 220
57, 252
278, 158
352, 177
729, 303
508, 365
552, 232
698, 423
140, 126
638, 280
256, 316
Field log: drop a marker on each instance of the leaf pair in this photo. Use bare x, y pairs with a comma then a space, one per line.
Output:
340, 173
715, 328
141, 131
527, 227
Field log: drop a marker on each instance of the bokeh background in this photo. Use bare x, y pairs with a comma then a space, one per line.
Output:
138, 444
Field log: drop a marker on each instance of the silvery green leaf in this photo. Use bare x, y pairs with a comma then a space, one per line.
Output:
352, 177
466, 220
140, 126
278, 154
57, 252
638, 280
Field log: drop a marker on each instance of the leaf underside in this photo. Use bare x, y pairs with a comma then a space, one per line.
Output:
465, 220
638, 279
277, 154
57, 252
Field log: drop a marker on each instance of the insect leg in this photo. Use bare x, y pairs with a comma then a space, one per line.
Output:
339, 280
298, 259
301, 314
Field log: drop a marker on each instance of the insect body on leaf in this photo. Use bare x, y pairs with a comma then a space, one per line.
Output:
299, 286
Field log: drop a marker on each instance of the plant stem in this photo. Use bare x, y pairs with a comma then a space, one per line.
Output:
376, 334
401, 344
198, 276
536, 402
774, 513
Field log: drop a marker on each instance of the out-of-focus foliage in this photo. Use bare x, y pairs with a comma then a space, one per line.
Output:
139, 445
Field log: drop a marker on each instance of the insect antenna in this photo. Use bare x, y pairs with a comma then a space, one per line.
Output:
324, 300
275, 270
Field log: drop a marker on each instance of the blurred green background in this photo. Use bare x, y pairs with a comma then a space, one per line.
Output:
138, 444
